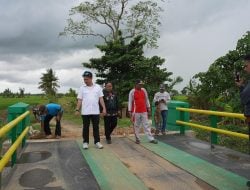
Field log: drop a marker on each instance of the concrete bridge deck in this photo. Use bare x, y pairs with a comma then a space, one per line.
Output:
177, 162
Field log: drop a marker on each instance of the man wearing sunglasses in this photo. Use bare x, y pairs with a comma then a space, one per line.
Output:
89, 96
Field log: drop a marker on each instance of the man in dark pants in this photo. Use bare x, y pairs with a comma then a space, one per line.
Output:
245, 99
245, 94
89, 96
46, 113
111, 104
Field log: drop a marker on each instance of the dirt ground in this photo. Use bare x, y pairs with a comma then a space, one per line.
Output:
71, 131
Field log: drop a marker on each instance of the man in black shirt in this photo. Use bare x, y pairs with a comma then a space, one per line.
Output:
111, 103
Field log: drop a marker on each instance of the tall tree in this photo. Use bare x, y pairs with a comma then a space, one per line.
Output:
49, 83
21, 92
219, 81
71, 93
122, 64
131, 18
7, 93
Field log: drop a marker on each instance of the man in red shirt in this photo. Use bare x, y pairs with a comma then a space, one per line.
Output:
138, 108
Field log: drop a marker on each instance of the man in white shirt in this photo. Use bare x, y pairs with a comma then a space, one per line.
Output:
163, 98
89, 97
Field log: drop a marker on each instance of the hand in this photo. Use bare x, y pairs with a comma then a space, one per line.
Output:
131, 116
248, 119
104, 112
131, 119
163, 101
149, 110
119, 115
240, 83
77, 113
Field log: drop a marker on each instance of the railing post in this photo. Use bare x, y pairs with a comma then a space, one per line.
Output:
213, 123
13, 112
182, 118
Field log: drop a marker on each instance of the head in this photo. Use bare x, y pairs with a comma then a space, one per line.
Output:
108, 87
42, 110
247, 63
162, 88
87, 77
139, 84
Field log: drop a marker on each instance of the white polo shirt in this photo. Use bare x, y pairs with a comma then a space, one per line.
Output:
90, 99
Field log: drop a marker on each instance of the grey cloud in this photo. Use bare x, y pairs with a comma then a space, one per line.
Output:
33, 26
192, 14
193, 34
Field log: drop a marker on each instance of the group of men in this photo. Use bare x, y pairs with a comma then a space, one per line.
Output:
93, 102
91, 96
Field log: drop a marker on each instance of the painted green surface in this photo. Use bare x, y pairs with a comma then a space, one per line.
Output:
109, 171
210, 173
173, 115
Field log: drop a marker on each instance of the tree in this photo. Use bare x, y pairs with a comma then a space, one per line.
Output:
7, 93
21, 92
131, 18
49, 83
122, 64
71, 93
218, 83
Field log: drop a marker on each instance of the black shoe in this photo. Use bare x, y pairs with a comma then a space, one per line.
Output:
109, 141
137, 141
154, 141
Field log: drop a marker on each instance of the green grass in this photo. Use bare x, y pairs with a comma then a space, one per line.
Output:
68, 104
31, 100
182, 98
234, 143
124, 122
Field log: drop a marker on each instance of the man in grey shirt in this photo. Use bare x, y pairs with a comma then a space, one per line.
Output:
163, 98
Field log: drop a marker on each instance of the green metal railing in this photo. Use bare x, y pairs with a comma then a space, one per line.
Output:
213, 122
16, 129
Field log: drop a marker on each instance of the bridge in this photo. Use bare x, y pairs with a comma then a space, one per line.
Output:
178, 161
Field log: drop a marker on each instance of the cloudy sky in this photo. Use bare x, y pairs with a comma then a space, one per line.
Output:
193, 34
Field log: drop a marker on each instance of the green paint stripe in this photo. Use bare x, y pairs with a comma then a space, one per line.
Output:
210, 173
109, 171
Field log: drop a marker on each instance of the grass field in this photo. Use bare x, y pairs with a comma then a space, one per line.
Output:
68, 104
31, 100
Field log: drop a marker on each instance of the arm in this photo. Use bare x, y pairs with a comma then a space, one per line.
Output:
103, 105
42, 125
168, 99
155, 98
245, 94
117, 103
78, 106
130, 100
147, 100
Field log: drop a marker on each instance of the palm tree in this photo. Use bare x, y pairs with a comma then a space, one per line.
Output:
49, 83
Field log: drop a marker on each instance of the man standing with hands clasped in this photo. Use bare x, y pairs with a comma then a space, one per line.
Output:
89, 97
139, 107
163, 98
